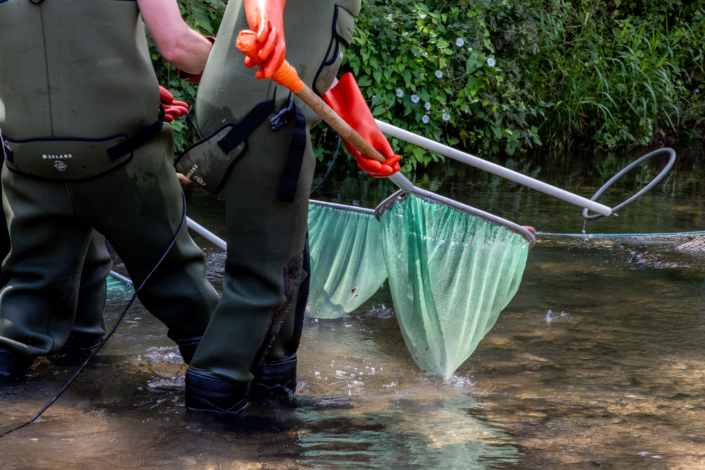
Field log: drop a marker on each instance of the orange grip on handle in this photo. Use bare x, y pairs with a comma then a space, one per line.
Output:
285, 75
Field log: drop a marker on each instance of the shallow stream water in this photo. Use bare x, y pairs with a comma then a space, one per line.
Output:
598, 362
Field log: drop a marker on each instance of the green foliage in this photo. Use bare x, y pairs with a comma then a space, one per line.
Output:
516, 75
204, 16
584, 73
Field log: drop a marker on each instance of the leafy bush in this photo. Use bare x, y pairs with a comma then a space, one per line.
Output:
492, 76
564, 73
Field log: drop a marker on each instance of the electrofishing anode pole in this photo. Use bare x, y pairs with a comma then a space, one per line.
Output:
493, 168
287, 76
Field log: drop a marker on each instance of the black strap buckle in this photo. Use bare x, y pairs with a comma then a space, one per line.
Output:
283, 117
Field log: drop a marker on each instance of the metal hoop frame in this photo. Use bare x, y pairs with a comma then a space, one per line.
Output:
435, 198
646, 188
343, 207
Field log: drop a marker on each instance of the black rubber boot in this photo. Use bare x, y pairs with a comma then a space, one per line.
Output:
12, 365
210, 393
275, 379
188, 349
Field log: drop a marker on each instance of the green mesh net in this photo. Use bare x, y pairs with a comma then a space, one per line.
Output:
118, 289
450, 274
347, 264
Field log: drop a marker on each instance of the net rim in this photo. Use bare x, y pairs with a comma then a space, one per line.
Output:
333, 205
435, 198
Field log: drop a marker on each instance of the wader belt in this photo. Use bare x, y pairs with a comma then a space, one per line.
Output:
137, 140
73, 158
209, 161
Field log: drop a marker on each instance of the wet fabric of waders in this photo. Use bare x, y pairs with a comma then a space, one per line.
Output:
88, 327
256, 328
79, 71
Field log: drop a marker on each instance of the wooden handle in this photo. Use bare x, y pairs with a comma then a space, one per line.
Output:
336, 122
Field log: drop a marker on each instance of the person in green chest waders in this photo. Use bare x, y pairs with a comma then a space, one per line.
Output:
86, 148
258, 151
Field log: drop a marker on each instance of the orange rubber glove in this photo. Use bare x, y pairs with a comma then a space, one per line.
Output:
172, 109
266, 19
346, 99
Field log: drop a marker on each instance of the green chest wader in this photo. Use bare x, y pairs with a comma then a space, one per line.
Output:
265, 190
57, 124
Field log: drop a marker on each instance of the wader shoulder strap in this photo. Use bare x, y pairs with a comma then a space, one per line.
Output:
138, 140
295, 159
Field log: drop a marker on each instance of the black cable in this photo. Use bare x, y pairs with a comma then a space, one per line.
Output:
117, 323
188, 115
330, 167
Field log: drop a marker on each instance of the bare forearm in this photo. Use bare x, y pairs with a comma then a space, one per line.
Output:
190, 53
177, 43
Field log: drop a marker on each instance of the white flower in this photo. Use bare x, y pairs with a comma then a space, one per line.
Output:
439, 74
446, 117
400, 94
469, 49
422, 15
491, 62
415, 99
425, 119
427, 106
459, 42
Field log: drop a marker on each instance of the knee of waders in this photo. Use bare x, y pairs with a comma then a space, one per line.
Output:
275, 379
210, 393
12, 365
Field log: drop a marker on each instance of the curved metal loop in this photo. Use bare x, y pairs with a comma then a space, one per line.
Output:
435, 198
646, 188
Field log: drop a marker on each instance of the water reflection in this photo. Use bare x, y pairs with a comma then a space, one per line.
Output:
611, 377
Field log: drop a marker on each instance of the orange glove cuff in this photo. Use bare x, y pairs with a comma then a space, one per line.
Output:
285, 75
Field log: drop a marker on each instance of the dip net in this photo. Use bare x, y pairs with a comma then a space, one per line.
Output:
347, 263
117, 288
452, 269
